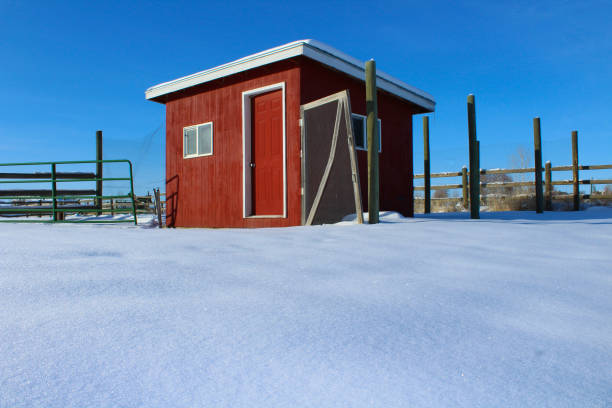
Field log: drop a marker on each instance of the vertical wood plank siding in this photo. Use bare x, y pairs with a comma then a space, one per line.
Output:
207, 191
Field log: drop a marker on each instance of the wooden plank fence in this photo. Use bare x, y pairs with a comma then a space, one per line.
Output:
472, 184
548, 182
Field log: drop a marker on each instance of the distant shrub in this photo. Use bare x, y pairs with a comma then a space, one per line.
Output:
496, 178
440, 194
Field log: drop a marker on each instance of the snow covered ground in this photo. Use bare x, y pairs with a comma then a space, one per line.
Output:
513, 310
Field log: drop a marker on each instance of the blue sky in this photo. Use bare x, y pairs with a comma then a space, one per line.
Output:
69, 68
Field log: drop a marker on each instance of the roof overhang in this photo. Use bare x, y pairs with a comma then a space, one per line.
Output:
309, 48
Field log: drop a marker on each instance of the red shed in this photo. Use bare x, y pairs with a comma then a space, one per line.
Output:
233, 143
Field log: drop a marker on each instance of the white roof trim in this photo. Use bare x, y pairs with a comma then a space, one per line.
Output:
310, 48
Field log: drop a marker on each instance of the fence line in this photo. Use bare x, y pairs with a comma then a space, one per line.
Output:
548, 182
57, 202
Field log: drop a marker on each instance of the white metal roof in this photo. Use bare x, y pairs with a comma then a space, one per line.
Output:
309, 48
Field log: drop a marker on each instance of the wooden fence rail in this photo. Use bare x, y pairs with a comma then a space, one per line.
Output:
512, 171
471, 181
548, 182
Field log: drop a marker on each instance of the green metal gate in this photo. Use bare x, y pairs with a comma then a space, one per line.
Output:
54, 198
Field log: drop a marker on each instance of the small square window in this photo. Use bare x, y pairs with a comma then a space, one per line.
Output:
198, 140
360, 132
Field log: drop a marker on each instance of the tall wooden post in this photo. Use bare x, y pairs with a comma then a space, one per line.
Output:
575, 174
426, 166
464, 185
549, 186
537, 151
477, 186
99, 171
372, 134
474, 159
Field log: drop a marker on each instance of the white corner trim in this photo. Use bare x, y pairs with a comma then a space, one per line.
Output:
309, 48
246, 150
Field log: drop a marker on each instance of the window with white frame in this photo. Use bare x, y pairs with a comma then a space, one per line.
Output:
198, 140
360, 134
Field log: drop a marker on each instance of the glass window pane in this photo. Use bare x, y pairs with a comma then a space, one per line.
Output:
205, 139
359, 132
189, 141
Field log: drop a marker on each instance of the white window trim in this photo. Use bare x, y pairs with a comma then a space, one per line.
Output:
247, 199
365, 133
212, 138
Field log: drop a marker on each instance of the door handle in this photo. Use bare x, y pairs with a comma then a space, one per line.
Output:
252, 165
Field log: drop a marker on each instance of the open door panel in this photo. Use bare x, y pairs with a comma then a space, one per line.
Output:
330, 177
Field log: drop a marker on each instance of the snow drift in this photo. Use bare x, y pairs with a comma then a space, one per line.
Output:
511, 310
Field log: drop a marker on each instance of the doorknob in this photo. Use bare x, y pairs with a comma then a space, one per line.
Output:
252, 165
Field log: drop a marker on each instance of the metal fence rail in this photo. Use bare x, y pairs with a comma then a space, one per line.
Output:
57, 201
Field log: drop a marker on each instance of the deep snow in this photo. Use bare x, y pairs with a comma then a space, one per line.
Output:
513, 310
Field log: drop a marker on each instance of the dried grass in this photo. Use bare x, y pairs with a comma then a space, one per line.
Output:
520, 202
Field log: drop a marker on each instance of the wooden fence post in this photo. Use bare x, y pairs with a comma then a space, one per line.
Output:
575, 174
478, 198
478, 163
464, 184
99, 172
426, 165
549, 186
474, 160
158, 208
537, 151
372, 135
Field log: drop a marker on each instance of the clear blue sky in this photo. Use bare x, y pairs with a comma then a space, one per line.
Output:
69, 68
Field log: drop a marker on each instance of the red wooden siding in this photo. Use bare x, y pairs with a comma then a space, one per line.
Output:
208, 191
396, 187
267, 153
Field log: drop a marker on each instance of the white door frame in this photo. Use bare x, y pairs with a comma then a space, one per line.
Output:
247, 195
